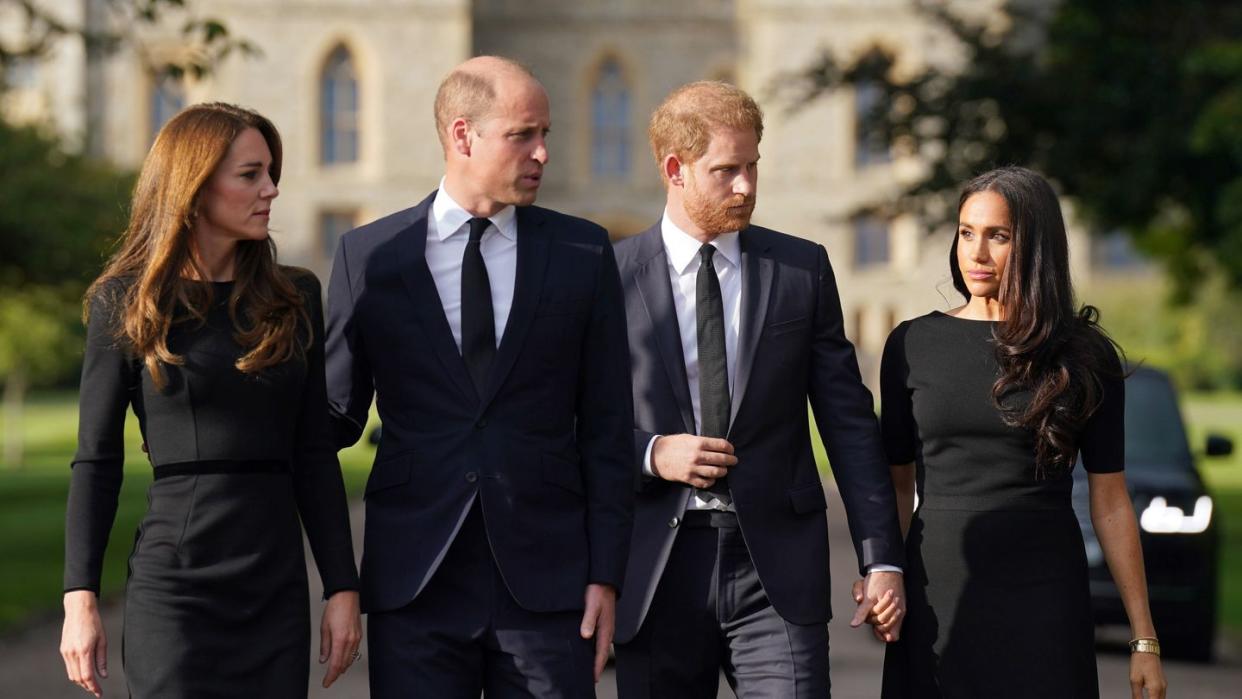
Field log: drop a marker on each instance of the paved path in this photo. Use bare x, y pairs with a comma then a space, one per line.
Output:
30, 667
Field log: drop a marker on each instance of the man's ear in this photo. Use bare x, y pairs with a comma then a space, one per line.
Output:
673, 170
461, 139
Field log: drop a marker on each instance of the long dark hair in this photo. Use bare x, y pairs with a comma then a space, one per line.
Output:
155, 252
1043, 344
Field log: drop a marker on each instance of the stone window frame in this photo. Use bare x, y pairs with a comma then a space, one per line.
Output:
339, 108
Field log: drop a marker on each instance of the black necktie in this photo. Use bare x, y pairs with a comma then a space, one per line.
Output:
478, 324
713, 371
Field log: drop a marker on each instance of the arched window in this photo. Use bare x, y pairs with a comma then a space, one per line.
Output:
871, 242
338, 109
610, 122
869, 148
167, 98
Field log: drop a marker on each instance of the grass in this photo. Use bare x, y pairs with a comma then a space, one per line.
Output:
32, 508
32, 502
1221, 414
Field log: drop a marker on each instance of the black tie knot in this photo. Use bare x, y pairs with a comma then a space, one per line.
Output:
477, 227
706, 252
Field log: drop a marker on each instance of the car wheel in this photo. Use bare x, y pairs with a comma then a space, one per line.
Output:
1193, 638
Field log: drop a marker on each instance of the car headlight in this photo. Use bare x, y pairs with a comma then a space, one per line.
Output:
1161, 518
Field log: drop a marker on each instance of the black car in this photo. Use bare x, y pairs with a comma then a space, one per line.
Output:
1178, 526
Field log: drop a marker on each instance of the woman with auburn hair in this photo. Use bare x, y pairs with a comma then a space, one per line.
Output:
985, 410
219, 351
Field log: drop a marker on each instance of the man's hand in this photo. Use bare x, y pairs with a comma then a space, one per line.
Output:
691, 459
599, 621
881, 598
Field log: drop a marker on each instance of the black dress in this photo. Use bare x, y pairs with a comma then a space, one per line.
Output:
997, 593
216, 601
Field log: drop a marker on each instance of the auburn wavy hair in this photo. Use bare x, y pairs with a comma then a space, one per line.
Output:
157, 269
1044, 344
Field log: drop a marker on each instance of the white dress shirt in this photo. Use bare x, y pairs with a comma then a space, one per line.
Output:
682, 252
447, 234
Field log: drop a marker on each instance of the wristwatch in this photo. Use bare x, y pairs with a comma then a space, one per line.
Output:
1145, 645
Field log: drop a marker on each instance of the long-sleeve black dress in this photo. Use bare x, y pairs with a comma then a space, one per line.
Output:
997, 593
216, 601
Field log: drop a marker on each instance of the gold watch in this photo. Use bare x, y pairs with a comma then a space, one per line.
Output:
1145, 645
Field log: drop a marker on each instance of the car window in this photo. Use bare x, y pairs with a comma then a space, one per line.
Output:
1155, 434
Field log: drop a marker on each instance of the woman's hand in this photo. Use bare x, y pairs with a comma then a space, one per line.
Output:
340, 634
83, 644
883, 611
1146, 673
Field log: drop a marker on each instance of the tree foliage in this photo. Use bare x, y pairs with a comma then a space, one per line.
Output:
58, 211
1132, 107
58, 214
119, 23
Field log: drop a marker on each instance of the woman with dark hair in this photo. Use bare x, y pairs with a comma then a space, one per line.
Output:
219, 351
985, 410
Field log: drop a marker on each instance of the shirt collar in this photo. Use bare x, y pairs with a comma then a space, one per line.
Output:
683, 249
450, 218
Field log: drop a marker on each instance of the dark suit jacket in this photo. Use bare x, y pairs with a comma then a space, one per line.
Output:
791, 347
547, 446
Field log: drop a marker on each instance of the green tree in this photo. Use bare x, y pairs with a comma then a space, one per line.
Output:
1132, 107
58, 213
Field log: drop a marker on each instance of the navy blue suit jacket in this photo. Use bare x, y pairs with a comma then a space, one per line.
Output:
791, 349
547, 447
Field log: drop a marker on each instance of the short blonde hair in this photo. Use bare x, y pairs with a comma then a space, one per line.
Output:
682, 125
468, 92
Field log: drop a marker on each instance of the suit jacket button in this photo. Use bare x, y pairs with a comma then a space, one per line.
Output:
672, 523
480, 424
472, 477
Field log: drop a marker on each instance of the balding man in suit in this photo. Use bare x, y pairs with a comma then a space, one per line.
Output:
492, 332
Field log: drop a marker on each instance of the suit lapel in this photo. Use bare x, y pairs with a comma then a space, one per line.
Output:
657, 295
532, 263
757, 273
428, 308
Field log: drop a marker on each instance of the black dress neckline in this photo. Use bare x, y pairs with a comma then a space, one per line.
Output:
966, 320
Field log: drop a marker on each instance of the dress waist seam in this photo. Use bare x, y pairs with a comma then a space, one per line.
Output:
222, 466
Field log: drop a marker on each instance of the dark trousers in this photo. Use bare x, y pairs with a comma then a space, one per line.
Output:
465, 634
709, 614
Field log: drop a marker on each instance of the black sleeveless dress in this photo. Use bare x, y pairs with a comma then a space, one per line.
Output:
997, 593
216, 601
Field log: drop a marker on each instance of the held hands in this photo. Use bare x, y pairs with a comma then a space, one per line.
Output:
82, 642
881, 603
599, 621
340, 634
691, 459
1146, 673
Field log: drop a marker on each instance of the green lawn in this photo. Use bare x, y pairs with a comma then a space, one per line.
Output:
1222, 415
32, 503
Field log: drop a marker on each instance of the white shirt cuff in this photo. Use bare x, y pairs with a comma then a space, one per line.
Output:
647, 469
882, 568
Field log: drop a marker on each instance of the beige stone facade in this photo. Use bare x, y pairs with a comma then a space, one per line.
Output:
606, 65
